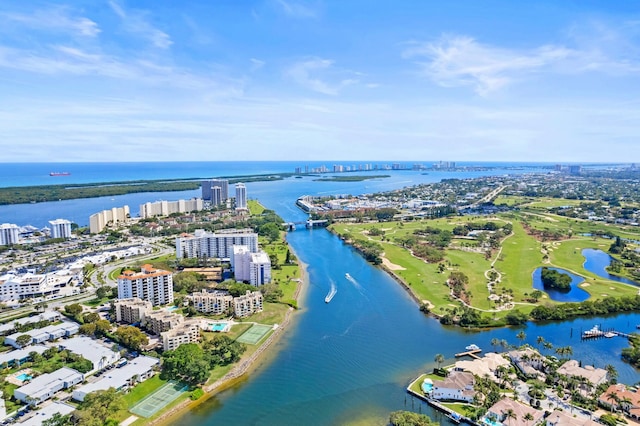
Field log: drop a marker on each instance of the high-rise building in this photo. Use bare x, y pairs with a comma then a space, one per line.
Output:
216, 196
98, 221
154, 285
166, 208
131, 311
220, 245
259, 269
208, 185
60, 228
241, 196
9, 233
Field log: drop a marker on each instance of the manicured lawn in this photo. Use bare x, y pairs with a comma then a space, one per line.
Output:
255, 208
143, 389
273, 313
473, 265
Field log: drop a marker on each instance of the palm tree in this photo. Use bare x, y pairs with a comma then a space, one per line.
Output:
510, 414
547, 345
612, 396
439, 358
521, 336
528, 417
611, 372
539, 341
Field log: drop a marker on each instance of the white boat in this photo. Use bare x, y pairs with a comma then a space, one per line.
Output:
609, 334
331, 293
594, 332
348, 276
472, 347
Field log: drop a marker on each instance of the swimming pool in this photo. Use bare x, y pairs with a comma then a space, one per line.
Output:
427, 386
24, 376
172, 308
219, 326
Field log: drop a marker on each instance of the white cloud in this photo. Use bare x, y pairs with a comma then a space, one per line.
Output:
462, 61
315, 74
136, 22
297, 9
256, 64
55, 19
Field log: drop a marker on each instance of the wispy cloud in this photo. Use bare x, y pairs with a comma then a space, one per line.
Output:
461, 61
58, 18
297, 9
136, 22
256, 64
320, 76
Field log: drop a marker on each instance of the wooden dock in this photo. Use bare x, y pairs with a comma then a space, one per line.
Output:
471, 353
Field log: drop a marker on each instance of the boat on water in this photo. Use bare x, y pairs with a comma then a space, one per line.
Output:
331, 293
609, 334
593, 332
472, 347
454, 417
59, 173
347, 276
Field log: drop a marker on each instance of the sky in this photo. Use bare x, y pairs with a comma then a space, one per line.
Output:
404, 80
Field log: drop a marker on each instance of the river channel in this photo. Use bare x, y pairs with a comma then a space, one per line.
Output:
350, 360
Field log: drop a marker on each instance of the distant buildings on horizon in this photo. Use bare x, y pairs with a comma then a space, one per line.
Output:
11, 234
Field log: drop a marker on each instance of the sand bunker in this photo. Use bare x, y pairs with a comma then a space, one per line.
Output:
392, 266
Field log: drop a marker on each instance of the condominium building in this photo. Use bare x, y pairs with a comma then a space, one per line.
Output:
207, 189
259, 269
158, 322
9, 234
216, 302
248, 304
187, 332
131, 311
166, 208
60, 228
100, 220
154, 285
240, 263
219, 245
47, 385
25, 286
216, 196
241, 196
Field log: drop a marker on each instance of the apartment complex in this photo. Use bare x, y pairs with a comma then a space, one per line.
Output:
219, 245
131, 311
186, 332
216, 302
166, 208
248, 304
157, 322
60, 228
100, 220
9, 234
47, 385
222, 191
221, 302
24, 286
154, 285
241, 196
253, 267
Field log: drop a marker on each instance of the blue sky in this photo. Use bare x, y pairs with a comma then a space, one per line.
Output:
320, 79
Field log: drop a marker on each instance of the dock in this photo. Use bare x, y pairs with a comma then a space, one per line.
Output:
472, 353
596, 332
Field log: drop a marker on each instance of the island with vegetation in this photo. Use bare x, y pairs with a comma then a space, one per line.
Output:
555, 280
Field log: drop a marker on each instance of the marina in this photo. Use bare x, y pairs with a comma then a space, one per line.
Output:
596, 332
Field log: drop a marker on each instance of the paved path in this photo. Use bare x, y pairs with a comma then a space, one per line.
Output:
129, 420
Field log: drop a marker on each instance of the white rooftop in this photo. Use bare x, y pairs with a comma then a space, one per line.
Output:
47, 315
42, 384
20, 353
99, 354
47, 412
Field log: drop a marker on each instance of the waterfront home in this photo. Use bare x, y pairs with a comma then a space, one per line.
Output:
561, 418
617, 397
512, 413
457, 386
483, 367
529, 362
595, 376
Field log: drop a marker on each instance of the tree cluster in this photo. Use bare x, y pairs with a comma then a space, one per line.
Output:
556, 280
408, 418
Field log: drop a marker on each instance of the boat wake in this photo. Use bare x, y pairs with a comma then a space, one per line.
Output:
353, 281
331, 293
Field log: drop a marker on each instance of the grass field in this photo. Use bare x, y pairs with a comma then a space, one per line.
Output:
521, 254
143, 389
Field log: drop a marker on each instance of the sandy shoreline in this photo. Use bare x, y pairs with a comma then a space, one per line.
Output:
244, 367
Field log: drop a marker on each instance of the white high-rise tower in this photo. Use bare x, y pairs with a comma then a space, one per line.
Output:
241, 196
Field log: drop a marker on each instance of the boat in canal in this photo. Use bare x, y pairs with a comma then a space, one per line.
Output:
331, 293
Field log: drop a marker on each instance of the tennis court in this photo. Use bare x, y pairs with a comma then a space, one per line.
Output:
159, 399
254, 334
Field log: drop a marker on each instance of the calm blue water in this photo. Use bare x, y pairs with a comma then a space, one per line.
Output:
350, 359
596, 261
576, 294
78, 211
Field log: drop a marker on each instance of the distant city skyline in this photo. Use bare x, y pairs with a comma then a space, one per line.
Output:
301, 80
